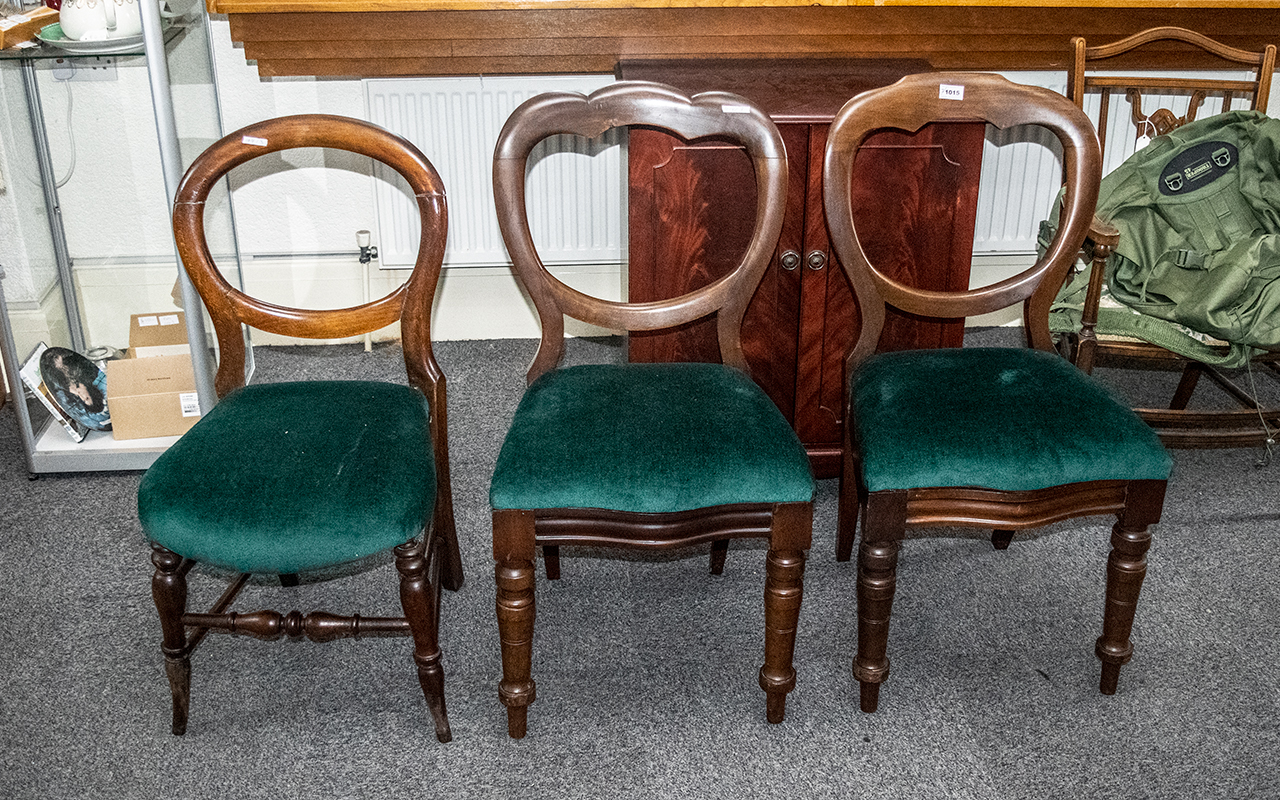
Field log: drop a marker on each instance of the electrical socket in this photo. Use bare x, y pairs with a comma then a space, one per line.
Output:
88, 68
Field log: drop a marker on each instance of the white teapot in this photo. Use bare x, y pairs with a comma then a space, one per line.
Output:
96, 20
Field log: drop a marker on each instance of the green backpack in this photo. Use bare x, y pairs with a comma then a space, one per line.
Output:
1198, 211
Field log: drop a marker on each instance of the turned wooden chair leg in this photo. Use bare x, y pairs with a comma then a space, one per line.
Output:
790, 535
514, 550
1126, 569
169, 590
883, 524
1000, 539
418, 598
719, 550
551, 561
783, 590
515, 630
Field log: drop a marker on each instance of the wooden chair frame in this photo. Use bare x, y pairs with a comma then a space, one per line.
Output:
1177, 425
517, 533
426, 562
909, 105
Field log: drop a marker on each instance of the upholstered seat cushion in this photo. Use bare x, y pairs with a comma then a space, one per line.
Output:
289, 477
648, 438
1000, 418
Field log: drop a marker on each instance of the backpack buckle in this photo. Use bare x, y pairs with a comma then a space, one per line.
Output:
1188, 259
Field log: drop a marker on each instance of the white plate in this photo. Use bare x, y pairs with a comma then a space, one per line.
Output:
52, 35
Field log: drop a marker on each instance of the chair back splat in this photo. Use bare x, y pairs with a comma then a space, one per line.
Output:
1157, 121
231, 308
645, 456
292, 478
711, 114
983, 99
1005, 438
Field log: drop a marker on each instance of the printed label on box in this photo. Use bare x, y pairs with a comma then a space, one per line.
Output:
157, 334
190, 402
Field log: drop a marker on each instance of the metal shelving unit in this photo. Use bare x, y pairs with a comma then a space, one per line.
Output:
48, 448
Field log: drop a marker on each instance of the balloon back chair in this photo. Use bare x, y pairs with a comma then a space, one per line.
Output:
645, 456
1006, 438
288, 478
1100, 331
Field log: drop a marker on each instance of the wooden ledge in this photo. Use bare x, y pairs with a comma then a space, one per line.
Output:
350, 38
376, 6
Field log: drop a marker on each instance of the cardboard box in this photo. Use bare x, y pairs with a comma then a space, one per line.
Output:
153, 396
18, 28
162, 334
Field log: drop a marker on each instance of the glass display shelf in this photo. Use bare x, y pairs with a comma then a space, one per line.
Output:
101, 249
55, 451
54, 45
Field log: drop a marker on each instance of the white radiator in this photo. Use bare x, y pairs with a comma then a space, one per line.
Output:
578, 203
576, 189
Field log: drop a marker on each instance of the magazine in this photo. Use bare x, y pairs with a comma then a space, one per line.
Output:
75, 392
78, 386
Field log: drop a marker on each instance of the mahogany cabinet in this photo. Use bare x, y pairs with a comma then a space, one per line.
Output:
692, 210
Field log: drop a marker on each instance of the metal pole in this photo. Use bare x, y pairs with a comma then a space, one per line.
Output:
171, 161
13, 368
53, 209
249, 362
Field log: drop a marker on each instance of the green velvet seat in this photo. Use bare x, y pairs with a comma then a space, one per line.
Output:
999, 418
283, 478
648, 438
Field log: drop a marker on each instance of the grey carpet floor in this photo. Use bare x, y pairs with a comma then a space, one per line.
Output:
646, 667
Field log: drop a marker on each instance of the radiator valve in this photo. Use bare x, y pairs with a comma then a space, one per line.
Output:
367, 252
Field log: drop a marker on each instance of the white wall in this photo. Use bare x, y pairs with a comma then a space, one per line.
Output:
296, 214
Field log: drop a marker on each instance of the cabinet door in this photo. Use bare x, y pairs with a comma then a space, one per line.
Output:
915, 201
692, 209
